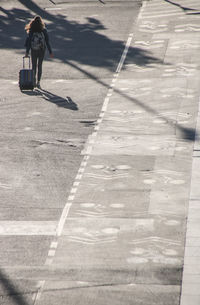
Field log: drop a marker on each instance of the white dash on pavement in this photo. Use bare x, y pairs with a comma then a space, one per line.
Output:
54, 244
63, 218
76, 183
78, 177
81, 170
51, 252
128, 43
71, 198
73, 190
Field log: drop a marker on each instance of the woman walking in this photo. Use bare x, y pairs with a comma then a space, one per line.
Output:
37, 41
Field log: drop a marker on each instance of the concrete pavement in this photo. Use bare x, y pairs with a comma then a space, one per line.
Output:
131, 221
122, 233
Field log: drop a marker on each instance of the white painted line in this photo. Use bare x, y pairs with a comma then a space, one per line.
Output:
63, 218
99, 121
54, 245
78, 177
38, 295
94, 134
128, 43
34, 297
89, 150
144, 4
81, 170
105, 104
73, 190
51, 252
71, 198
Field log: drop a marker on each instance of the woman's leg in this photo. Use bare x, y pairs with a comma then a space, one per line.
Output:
34, 57
40, 61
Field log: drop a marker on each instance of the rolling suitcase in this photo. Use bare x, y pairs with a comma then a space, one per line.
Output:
26, 79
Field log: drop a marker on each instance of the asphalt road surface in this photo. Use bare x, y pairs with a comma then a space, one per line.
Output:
43, 132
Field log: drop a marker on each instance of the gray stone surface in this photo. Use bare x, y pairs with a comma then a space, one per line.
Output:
96, 203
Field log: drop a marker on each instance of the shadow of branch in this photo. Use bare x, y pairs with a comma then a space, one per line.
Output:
10, 288
135, 55
187, 133
185, 9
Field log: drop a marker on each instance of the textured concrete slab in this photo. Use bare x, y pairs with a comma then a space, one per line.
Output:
23, 250
116, 295
133, 123
119, 144
134, 250
114, 172
111, 204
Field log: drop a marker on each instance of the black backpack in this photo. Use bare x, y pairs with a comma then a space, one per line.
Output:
38, 41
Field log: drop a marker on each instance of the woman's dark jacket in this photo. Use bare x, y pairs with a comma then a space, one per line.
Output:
29, 38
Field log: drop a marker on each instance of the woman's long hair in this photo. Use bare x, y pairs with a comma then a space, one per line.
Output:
35, 25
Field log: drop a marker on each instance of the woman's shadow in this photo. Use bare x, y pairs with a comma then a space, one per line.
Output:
60, 101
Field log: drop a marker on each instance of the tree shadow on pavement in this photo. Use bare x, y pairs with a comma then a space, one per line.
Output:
77, 44
60, 101
187, 133
185, 9
196, 13
11, 291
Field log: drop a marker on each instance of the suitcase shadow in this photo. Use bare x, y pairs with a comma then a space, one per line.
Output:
64, 102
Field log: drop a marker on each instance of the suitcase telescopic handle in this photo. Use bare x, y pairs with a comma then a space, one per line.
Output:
24, 61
